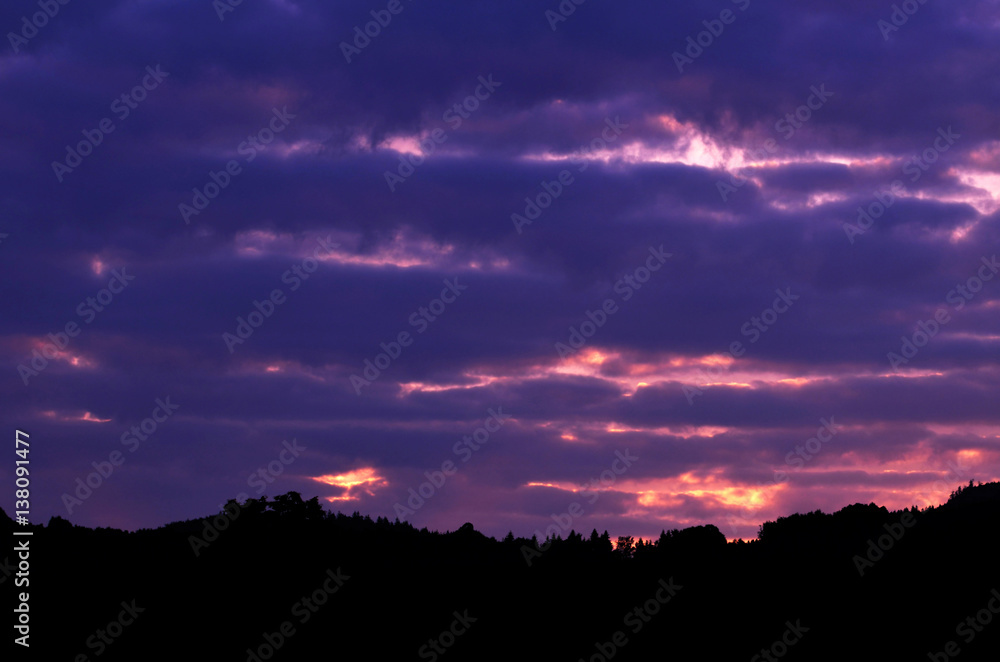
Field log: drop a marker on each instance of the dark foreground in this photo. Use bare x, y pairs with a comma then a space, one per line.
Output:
284, 580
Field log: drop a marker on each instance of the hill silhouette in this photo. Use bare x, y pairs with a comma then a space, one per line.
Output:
283, 579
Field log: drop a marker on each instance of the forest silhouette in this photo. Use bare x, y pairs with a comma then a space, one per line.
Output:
284, 579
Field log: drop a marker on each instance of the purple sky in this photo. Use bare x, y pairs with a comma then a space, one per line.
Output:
691, 235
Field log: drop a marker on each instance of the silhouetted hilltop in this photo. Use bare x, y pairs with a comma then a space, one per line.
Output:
284, 579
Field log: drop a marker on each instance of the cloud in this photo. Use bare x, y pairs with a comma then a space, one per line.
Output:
646, 147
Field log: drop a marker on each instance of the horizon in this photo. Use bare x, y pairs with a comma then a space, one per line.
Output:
557, 530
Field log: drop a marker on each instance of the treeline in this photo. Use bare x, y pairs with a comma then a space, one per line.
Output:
284, 579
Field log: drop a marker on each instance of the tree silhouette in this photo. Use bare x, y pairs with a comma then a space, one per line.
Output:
625, 546
250, 575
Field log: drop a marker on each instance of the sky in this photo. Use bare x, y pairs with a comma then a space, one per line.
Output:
537, 266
